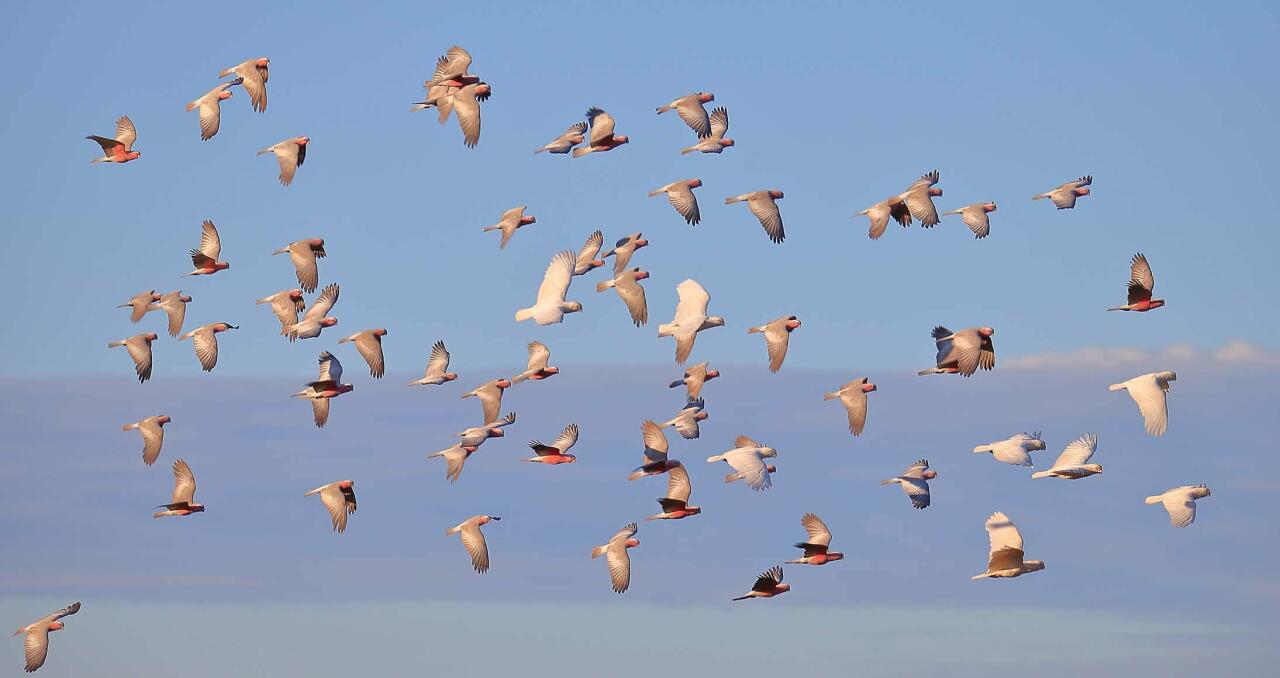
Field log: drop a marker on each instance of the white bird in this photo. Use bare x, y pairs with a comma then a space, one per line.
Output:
777, 336
174, 305
617, 558
537, 368
574, 135
290, 154
210, 105
455, 458
152, 430
747, 458
690, 109
1180, 502
316, 318
686, 422
763, 204
914, 482
680, 195
853, 395
37, 632
1150, 392
492, 429
1006, 556
551, 307
473, 540
286, 305
975, 217
587, 260
511, 221
205, 341
1064, 196
437, 367
490, 395
340, 499
627, 285
1015, 449
1073, 463
690, 318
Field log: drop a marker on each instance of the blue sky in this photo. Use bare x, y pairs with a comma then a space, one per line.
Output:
835, 105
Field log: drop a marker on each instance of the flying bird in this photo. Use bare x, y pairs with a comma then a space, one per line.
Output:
602, 137
286, 305
316, 318
1150, 391
450, 76
303, 254
915, 482
690, 318
763, 205
206, 257
816, 546
1006, 557
655, 452
205, 340
466, 103
676, 504
734, 476
37, 641
210, 105
340, 499
963, 352
452, 67
1141, 284
686, 422
369, 345
511, 220
747, 458
174, 305
623, 250
551, 307
490, 396
139, 348
1015, 450
853, 395
1180, 502
564, 143
975, 217
473, 540
491, 429
1064, 196
558, 451
454, 459
437, 367
689, 108
680, 195
139, 304
327, 386
290, 153
616, 556
1073, 463
627, 284
915, 202
694, 378
184, 492
119, 149
587, 260
777, 335
768, 585
715, 142
537, 369
253, 75
152, 430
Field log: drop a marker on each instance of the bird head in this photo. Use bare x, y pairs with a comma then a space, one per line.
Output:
223, 327
782, 588
618, 141
568, 458
987, 331
930, 474
224, 95
528, 220
771, 468
989, 207
346, 484
295, 294
328, 322
715, 321
186, 299
835, 555
1096, 468
552, 370
695, 183
502, 383
576, 139
693, 510
701, 416
726, 143
134, 155
1081, 191
195, 508
316, 243
632, 543
572, 307
641, 275
868, 387
155, 297
712, 374
776, 195
935, 191
263, 62
1033, 565
706, 97
150, 337
1156, 303
381, 332
489, 519
641, 242
483, 89
595, 263
496, 433
450, 376
56, 626
346, 388
163, 419
793, 324
303, 141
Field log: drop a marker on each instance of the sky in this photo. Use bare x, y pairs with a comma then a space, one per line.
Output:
838, 106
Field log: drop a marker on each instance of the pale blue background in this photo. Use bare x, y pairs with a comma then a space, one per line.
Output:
1170, 107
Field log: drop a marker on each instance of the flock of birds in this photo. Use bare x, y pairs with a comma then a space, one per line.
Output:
454, 91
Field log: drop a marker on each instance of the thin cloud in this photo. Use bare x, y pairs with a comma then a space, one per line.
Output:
1236, 353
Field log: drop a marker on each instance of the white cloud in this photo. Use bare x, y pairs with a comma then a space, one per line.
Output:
1235, 352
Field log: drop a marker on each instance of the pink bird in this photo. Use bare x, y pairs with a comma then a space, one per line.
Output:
1064, 196
473, 540
815, 547
691, 111
174, 305
253, 74
184, 492
119, 149
680, 195
768, 585
538, 369
37, 641
205, 259
316, 317
916, 201
676, 504
557, 451
139, 304
963, 352
777, 336
655, 452
211, 109
1141, 284
328, 385
339, 499
694, 378
490, 395
617, 558
511, 220
765, 208
587, 261
566, 141
476, 435
303, 254
369, 345
437, 371
602, 136
290, 154
139, 348
976, 217
715, 142
624, 249
152, 430
205, 340
455, 458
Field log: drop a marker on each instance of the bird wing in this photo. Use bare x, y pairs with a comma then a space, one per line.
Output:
330, 368
1006, 543
285, 309
206, 345
619, 562
632, 294
210, 111
335, 501
678, 486
555, 282
126, 133
473, 541
438, 362
490, 401
370, 347
37, 646
590, 249
567, 438
539, 354
975, 217
289, 155
655, 442
776, 340
468, 110
920, 205
917, 490
304, 263
751, 467
768, 580
719, 122
210, 243
692, 307
817, 530
1152, 403
320, 411
1078, 451
176, 310
766, 210
184, 483
152, 439
140, 351
966, 351
321, 305
855, 404
682, 199
601, 126
1180, 505
694, 115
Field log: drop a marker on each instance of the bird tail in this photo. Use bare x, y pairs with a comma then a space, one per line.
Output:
161, 514
433, 455
664, 109
688, 150
984, 575
421, 106
1116, 387
666, 329
226, 71
1039, 196
794, 562
113, 344
602, 286
1153, 500
931, 370
129, 427
486, 229
830, 396
524, 314
97, 160
657, 192
191, 106
732, 477
743, 597
890, 481
730, 201
452, 530
582, 150
981, 448
952, 212
755, 330
265, 150
598, 551
1117, 308
715, 457
656, 516
1041, 474
638, 473
676, 383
